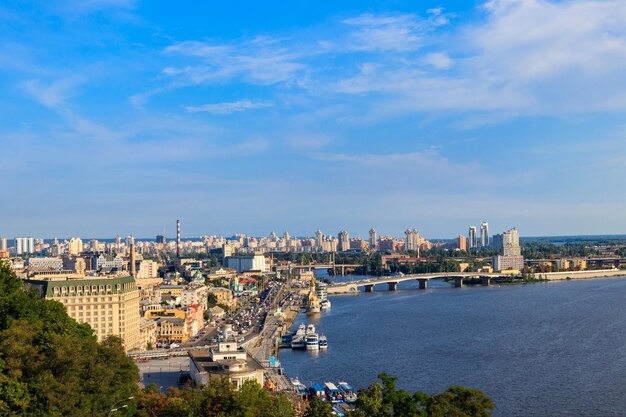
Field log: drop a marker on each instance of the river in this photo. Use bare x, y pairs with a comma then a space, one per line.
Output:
548, 349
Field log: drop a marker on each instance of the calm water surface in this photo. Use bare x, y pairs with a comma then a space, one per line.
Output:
552, 349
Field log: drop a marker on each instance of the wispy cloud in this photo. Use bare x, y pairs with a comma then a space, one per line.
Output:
228, 107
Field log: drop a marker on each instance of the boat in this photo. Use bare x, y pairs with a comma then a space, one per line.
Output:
310, 329
348, 394
300, 388
325, 304
312, 341
332, 393
321, 289
298, 342
323, 343
316, 390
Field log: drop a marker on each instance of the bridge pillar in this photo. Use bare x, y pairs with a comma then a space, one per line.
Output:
392, 286
485, 281
343, 270
369, 288
458, 282
423, 283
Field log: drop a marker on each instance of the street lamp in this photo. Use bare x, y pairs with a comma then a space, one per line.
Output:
115, 408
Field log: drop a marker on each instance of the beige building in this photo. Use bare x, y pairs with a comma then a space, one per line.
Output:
229, 361
148, 333
223, 296
110, 305
75, 246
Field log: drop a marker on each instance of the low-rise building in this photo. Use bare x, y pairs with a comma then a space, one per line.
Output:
227, 361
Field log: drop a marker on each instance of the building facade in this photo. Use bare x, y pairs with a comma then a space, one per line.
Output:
109, 305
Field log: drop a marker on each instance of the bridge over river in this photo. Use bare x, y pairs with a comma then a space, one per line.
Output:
392, 281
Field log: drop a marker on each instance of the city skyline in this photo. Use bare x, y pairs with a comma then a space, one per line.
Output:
118, 114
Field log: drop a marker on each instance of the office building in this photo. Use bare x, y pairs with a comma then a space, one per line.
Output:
472, 239
109, 305
484, 234
161, 240
43, 264
242, 263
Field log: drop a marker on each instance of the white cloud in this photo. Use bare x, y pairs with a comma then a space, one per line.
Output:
228, 107
386, 33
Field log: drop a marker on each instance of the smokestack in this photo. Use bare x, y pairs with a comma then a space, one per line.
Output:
178, 238
133, 266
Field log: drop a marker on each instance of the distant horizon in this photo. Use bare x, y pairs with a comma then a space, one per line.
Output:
173, 238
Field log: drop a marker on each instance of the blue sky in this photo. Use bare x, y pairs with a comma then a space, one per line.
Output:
120, 116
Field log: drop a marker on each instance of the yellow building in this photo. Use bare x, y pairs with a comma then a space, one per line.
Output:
172, 325
110, 305
223, 296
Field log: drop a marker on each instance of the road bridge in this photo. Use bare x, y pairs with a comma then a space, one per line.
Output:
392, 281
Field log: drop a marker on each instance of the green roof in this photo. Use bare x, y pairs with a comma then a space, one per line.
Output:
46, 287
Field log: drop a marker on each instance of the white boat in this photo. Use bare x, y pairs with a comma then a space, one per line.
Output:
310, 329
323, 343
312, 341
298, 342
349, 396
325, 304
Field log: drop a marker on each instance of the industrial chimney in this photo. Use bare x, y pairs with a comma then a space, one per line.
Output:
133, 266
178, 238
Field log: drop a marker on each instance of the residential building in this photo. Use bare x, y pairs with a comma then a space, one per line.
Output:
75, 246
412, 240
484, 234
110, 305
24, 245
373, 239
343, 241
472, 242
461, 243
508, 245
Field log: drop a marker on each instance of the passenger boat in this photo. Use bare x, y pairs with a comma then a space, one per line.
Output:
332, 393
298, 342
348, 394
316, 390
310, 329
300, 388
325, 304
323, 343
312, 341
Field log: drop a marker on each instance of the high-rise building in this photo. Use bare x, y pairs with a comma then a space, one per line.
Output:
412, 240
160, 239
461, 243
75, 246
319, 237
4, 243
344, 241
471, 238
178, 239
373, 239
24, 245
511, 252
484, 234
109, 305
94, 245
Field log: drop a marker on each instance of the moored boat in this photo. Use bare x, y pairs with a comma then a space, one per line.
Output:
323, 343
348, 394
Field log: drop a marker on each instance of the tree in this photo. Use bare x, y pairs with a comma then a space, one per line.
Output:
39, 376
318, 408
384, 400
